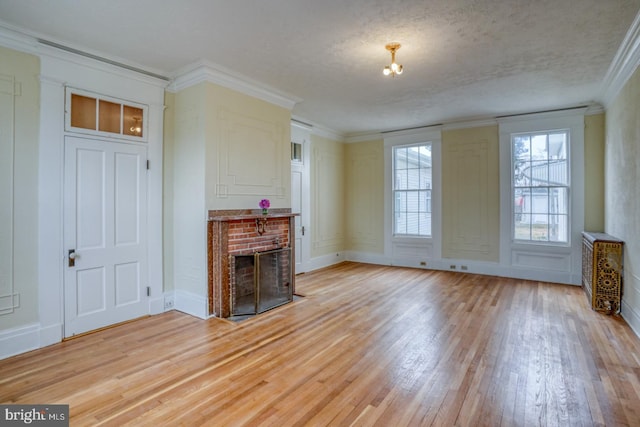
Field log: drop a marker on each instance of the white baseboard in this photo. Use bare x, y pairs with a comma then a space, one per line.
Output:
156, 305
190, 303
19, 340
466, 266
51, 334
631, 316
326, 261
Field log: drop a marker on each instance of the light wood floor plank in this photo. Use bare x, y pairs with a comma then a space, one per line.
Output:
367, 346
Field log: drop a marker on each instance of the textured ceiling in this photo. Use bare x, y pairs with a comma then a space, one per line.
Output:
463, 59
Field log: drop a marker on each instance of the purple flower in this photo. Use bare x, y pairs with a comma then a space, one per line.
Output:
264, 203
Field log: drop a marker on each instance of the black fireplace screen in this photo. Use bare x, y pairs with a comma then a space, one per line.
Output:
260, 281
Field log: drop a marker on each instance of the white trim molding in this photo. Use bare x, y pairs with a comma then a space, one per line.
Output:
557, 263
206, 71
623, 65
190, 303
397, 249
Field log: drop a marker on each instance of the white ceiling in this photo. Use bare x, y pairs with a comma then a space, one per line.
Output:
463, 59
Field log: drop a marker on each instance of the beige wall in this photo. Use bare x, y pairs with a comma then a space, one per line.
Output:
189, 237
19, 131
622, 188
248, 151
594, 172
225, 150
328, 188
471, 194
364, 196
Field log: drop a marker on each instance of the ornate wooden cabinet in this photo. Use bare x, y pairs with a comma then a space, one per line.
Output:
602, 271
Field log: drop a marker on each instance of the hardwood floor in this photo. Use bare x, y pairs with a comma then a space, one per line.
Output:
368, 345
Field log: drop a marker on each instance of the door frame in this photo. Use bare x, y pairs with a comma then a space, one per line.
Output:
301, 135
57, 72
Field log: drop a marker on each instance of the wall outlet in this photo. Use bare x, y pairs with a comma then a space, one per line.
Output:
463, 267
452, 267
423, 263
168, 303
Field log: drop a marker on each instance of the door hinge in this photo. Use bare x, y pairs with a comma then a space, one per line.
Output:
148, 291
147, 164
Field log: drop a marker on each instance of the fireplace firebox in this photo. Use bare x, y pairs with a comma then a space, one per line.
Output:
260, 281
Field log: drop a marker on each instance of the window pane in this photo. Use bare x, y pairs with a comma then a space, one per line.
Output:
401, 158
413, 203
538, 173
132, 123
558, 228
425, 201
425, 156
521, 148
425, 178
559, 200
425, 224
83, 112
413, 178
558, 172
413, 223
522, 231
539, 148
109, 117
540, 232
539, 204
401, 223
558, 145
401, 180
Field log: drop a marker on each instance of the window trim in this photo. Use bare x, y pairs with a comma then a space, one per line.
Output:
520, 256
400, 247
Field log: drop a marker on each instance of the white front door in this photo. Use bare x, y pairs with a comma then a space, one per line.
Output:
105, 215
300, 198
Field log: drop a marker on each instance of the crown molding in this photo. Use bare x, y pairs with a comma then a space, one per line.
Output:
21, 40
372, 136
623, 65
470, 124
316, 129
12, 38
565, 112
328, 133
206, 71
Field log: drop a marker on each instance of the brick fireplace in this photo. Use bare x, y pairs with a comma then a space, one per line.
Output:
234, 235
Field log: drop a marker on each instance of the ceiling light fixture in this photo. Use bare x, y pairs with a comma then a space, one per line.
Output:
394, 68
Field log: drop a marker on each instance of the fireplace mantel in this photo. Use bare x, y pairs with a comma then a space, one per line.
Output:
233, 215
241, 232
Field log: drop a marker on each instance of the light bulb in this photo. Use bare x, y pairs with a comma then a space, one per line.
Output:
386, 71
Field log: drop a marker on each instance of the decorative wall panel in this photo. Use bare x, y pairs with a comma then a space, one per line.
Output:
250, 157
365, 206
7, 298
470, 195
328, 189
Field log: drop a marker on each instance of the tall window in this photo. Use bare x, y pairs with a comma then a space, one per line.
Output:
540, 186
412, 172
